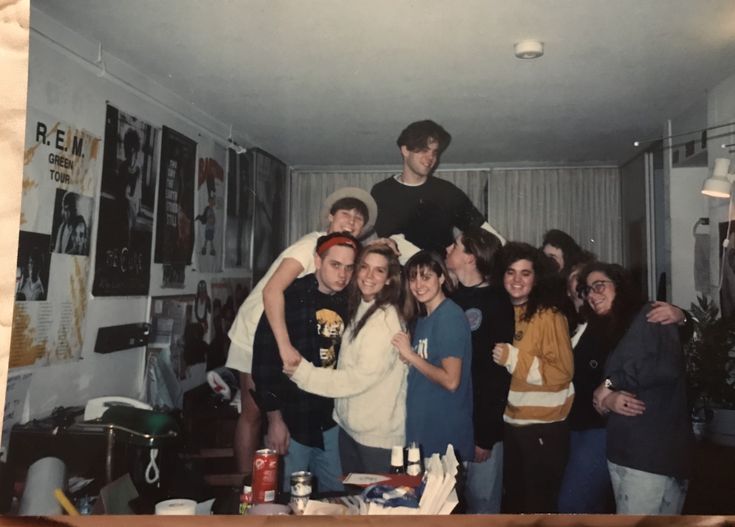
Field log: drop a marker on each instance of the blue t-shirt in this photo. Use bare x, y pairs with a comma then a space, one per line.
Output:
436, 417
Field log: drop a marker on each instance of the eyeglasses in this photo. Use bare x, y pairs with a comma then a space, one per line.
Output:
598, 286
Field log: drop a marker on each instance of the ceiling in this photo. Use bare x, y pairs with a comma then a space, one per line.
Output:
333, 82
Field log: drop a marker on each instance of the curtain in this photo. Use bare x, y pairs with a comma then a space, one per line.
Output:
584, 202
310, 188
520, 203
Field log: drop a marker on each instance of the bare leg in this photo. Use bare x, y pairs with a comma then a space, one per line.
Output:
247, 430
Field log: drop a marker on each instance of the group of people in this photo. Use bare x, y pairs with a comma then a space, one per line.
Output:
552, 396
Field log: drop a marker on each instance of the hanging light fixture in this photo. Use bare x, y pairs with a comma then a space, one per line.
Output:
718, 185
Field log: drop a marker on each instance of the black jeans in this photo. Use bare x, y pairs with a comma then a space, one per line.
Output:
533, 466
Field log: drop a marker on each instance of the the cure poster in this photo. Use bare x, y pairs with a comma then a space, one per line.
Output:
123, 255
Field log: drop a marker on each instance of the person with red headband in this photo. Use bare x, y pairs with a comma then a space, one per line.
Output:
348, 209
300, 424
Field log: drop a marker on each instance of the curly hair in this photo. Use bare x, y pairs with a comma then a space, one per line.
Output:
627, 301
389, 295
547, 291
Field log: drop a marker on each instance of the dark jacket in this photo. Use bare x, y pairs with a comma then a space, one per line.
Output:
649, 362
491, 318
306, 415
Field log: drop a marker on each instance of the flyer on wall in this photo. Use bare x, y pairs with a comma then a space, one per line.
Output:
210, 218
57, 209
175, 216
124, 237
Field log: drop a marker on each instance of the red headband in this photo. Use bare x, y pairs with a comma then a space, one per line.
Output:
337, 240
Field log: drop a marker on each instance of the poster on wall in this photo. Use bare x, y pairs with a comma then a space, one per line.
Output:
269, 232
240, 203
175, 216
125, 233
210, 218
51, 287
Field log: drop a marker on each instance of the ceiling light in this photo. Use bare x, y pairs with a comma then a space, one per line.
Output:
718, 185
529, 49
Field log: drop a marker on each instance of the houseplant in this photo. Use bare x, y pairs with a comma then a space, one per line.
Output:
710, 368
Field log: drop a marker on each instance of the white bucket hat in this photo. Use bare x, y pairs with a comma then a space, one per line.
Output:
357, 193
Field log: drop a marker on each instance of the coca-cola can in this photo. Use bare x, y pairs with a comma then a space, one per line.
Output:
265, 476
300, 490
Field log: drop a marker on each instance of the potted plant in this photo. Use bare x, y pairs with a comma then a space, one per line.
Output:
710, 368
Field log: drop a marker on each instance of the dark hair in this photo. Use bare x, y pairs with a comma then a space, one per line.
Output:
131, 140
416, 136
484, 246
70, 200
571, 250
350, 203
389, 295
420, 262
626, 304
345, 239
546, 292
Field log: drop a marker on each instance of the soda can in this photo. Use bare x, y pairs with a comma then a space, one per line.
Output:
265, 476
300, 491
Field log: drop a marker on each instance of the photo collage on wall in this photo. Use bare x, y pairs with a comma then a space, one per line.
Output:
59, 184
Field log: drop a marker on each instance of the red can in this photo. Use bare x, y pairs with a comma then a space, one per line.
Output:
265, 476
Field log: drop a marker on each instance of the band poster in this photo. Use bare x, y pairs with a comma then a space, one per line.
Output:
210, 218
175, 216
57, 211
240, 207
124, 238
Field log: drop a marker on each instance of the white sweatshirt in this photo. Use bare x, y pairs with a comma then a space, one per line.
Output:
369, 384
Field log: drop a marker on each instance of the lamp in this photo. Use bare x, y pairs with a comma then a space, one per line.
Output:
718, 185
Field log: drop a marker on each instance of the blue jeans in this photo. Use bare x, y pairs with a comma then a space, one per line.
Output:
484, 484
638, 492
586, 488
323, 464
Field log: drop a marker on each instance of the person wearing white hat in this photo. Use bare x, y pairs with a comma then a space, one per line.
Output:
348, 209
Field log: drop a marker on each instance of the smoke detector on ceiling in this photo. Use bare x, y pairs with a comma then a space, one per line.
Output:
529, 49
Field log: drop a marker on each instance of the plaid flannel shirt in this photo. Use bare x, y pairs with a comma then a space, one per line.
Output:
306, 415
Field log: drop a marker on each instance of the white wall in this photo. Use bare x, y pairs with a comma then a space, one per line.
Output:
72, 91
687, 205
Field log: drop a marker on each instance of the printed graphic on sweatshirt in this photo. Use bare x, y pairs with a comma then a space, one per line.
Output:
330, 327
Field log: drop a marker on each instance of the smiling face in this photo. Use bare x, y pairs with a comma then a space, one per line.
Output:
372, 275
426, 287
420, 163
334, 268
518, 280
344, 220
601, 292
